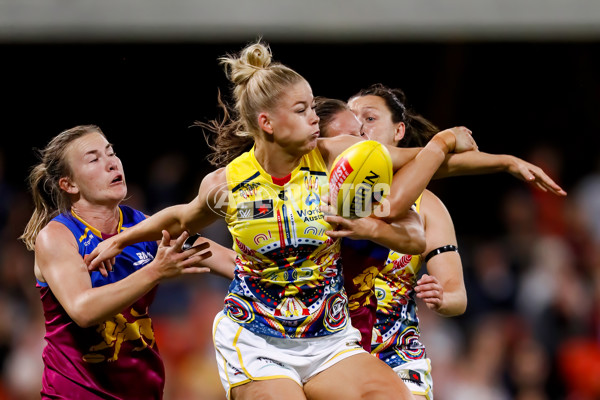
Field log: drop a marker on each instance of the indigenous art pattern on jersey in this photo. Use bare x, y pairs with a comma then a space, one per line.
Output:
287, 278
396, 332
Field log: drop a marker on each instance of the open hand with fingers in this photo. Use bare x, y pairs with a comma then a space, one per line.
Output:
171, 260
531, 173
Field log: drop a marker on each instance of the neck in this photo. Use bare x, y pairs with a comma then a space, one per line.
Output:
103, 218
274, 160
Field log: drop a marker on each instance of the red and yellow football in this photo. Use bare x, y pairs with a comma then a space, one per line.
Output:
360, 178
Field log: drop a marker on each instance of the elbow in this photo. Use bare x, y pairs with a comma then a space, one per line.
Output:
82, 316
419, 243
458, 308
416, 243
82, 320
462, 306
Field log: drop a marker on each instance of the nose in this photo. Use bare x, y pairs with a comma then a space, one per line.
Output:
315, 118
363, 134
112, 164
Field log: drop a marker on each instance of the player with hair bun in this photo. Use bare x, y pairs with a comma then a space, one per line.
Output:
285, 331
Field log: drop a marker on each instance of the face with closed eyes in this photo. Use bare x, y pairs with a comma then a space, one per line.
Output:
343, 123
97, 175
293, 123
376, 117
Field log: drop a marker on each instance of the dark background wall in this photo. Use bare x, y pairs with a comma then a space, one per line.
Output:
514, 96
530, 260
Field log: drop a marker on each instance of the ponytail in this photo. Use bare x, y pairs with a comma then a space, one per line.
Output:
48, 198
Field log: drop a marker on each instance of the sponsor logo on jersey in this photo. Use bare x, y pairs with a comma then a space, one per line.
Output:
411, 376
255, 209
144, 258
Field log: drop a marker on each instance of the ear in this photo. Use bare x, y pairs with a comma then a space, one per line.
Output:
265, 122
65, 184
399, 132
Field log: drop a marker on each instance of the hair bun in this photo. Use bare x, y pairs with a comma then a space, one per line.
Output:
257, 55
254, 58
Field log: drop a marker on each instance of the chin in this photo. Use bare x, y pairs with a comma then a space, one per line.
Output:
312, 144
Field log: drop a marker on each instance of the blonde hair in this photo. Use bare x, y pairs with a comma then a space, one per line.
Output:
258, 84
48, 198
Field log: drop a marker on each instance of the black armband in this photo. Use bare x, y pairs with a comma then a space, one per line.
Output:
189, 242
440, 250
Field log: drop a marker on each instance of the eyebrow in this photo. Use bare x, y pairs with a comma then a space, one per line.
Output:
109, 145
370, 108
302, 102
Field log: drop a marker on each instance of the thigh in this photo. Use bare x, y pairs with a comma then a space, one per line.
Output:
358, 377
271, 389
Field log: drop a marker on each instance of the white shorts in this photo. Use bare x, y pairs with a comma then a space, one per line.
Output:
244, 356
417, 377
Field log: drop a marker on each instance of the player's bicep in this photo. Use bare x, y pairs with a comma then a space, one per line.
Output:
61, 265
439, 234
210, 204
439, 228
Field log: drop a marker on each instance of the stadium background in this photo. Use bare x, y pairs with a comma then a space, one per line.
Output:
524, 78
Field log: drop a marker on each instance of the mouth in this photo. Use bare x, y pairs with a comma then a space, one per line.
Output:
117, 179
316, 134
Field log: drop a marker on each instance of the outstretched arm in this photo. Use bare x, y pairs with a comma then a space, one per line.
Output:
222, 262
59, 264
190, 217
475, 163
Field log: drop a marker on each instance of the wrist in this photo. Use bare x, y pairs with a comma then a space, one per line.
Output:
446, 140
153, 273
506, 162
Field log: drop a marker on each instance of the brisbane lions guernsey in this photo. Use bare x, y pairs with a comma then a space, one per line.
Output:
288, 279
116, 359
396, 333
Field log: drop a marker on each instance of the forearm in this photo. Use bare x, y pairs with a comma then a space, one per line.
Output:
98, 304
222, 261
472, 163
410, 181
403, 238
150, 229
454, 303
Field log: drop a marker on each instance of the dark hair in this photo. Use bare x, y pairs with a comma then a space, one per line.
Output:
419, 130
326, 110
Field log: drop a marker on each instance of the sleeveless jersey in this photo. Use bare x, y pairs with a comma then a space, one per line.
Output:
363, 260
287, 281
117, 359
396, 332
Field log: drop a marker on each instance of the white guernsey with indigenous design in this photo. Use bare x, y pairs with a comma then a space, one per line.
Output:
287, 280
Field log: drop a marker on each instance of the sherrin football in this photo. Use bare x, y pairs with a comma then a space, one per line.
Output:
360, 178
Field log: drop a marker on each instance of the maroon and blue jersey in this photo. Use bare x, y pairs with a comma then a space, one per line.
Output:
116, 359
362, 260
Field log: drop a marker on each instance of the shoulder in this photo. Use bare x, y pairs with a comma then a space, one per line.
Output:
217, 177
433, 208
53, 235
212, 188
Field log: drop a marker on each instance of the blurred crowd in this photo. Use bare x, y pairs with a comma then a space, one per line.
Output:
531, 330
